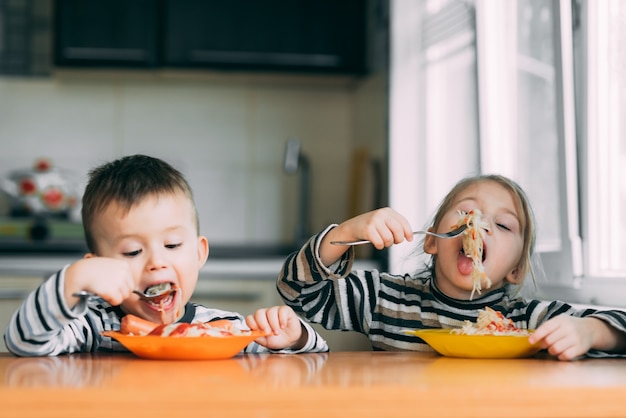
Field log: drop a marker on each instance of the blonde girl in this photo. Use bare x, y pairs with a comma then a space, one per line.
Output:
318, 282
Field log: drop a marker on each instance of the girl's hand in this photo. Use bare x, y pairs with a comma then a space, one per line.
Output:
569, 338
383, 227
284, 327
109, 278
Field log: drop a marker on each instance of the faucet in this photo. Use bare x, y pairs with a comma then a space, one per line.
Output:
294, 160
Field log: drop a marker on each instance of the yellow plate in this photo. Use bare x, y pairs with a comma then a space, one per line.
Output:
477, 346
184, 348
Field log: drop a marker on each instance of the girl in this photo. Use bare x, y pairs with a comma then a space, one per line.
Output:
317, 281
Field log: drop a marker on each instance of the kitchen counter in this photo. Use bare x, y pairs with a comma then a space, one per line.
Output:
265, 267
347, 384
231, 283
45, 265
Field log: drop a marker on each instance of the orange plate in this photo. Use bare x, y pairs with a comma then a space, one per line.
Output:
476, 346
184, 348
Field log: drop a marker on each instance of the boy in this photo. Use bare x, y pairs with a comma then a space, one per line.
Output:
141, 229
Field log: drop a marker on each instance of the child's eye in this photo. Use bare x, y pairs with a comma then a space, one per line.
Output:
132, 253
172, 246
503, 226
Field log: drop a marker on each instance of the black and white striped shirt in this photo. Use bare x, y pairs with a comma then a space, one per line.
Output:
45, 326
384, 306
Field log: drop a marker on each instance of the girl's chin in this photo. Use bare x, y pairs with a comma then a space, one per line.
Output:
459, 286
463, 282
457, 289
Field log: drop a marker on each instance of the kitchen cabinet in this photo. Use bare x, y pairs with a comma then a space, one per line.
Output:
13, 290
112, 33
320, 36
25, 27
305, 35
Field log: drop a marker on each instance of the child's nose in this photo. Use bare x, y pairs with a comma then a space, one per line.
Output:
156, 260
487, 225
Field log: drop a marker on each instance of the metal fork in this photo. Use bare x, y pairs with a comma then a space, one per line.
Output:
450, 234
83, 294
156, 296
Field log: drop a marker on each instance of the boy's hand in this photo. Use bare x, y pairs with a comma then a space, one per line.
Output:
283, 324
109, 278
568, 337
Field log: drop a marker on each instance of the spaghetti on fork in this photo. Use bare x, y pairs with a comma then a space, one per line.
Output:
473, 247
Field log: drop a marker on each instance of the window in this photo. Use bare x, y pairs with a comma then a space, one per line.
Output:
602, 64
549, 88
434, 112
491, 90
526, 92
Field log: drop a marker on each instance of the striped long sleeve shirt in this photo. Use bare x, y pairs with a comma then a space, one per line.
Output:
383, 306
44, 325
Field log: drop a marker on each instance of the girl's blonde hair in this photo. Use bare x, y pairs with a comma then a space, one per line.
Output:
524, 209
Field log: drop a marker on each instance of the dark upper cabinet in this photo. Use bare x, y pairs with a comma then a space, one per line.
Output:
322, 36
303, 35
110, 33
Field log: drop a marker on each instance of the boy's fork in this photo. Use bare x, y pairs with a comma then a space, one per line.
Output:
148, 297
450, 234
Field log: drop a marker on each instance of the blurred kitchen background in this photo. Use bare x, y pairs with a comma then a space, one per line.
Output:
216, 88
286, 116
274, 110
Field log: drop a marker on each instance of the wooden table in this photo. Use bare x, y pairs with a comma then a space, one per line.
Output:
346, 384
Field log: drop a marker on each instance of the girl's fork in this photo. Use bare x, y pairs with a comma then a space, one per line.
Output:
450, 234
83, 294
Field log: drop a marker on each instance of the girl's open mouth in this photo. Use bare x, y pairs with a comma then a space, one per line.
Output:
484, 252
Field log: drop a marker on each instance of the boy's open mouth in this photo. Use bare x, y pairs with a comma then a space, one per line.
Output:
162, 298
161, 295
163, 302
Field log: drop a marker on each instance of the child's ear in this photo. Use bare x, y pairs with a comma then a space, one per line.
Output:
513, 276
203, 250
430, 244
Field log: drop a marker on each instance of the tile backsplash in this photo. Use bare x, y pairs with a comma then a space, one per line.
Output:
226, 133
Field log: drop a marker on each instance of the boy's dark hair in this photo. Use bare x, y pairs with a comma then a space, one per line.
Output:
125, 181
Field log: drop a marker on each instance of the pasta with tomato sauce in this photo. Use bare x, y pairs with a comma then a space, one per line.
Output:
490, 322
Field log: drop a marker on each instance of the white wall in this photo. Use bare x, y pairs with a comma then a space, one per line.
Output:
225, 132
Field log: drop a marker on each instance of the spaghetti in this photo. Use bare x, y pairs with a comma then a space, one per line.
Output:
490, 322
204, 329
473, 247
